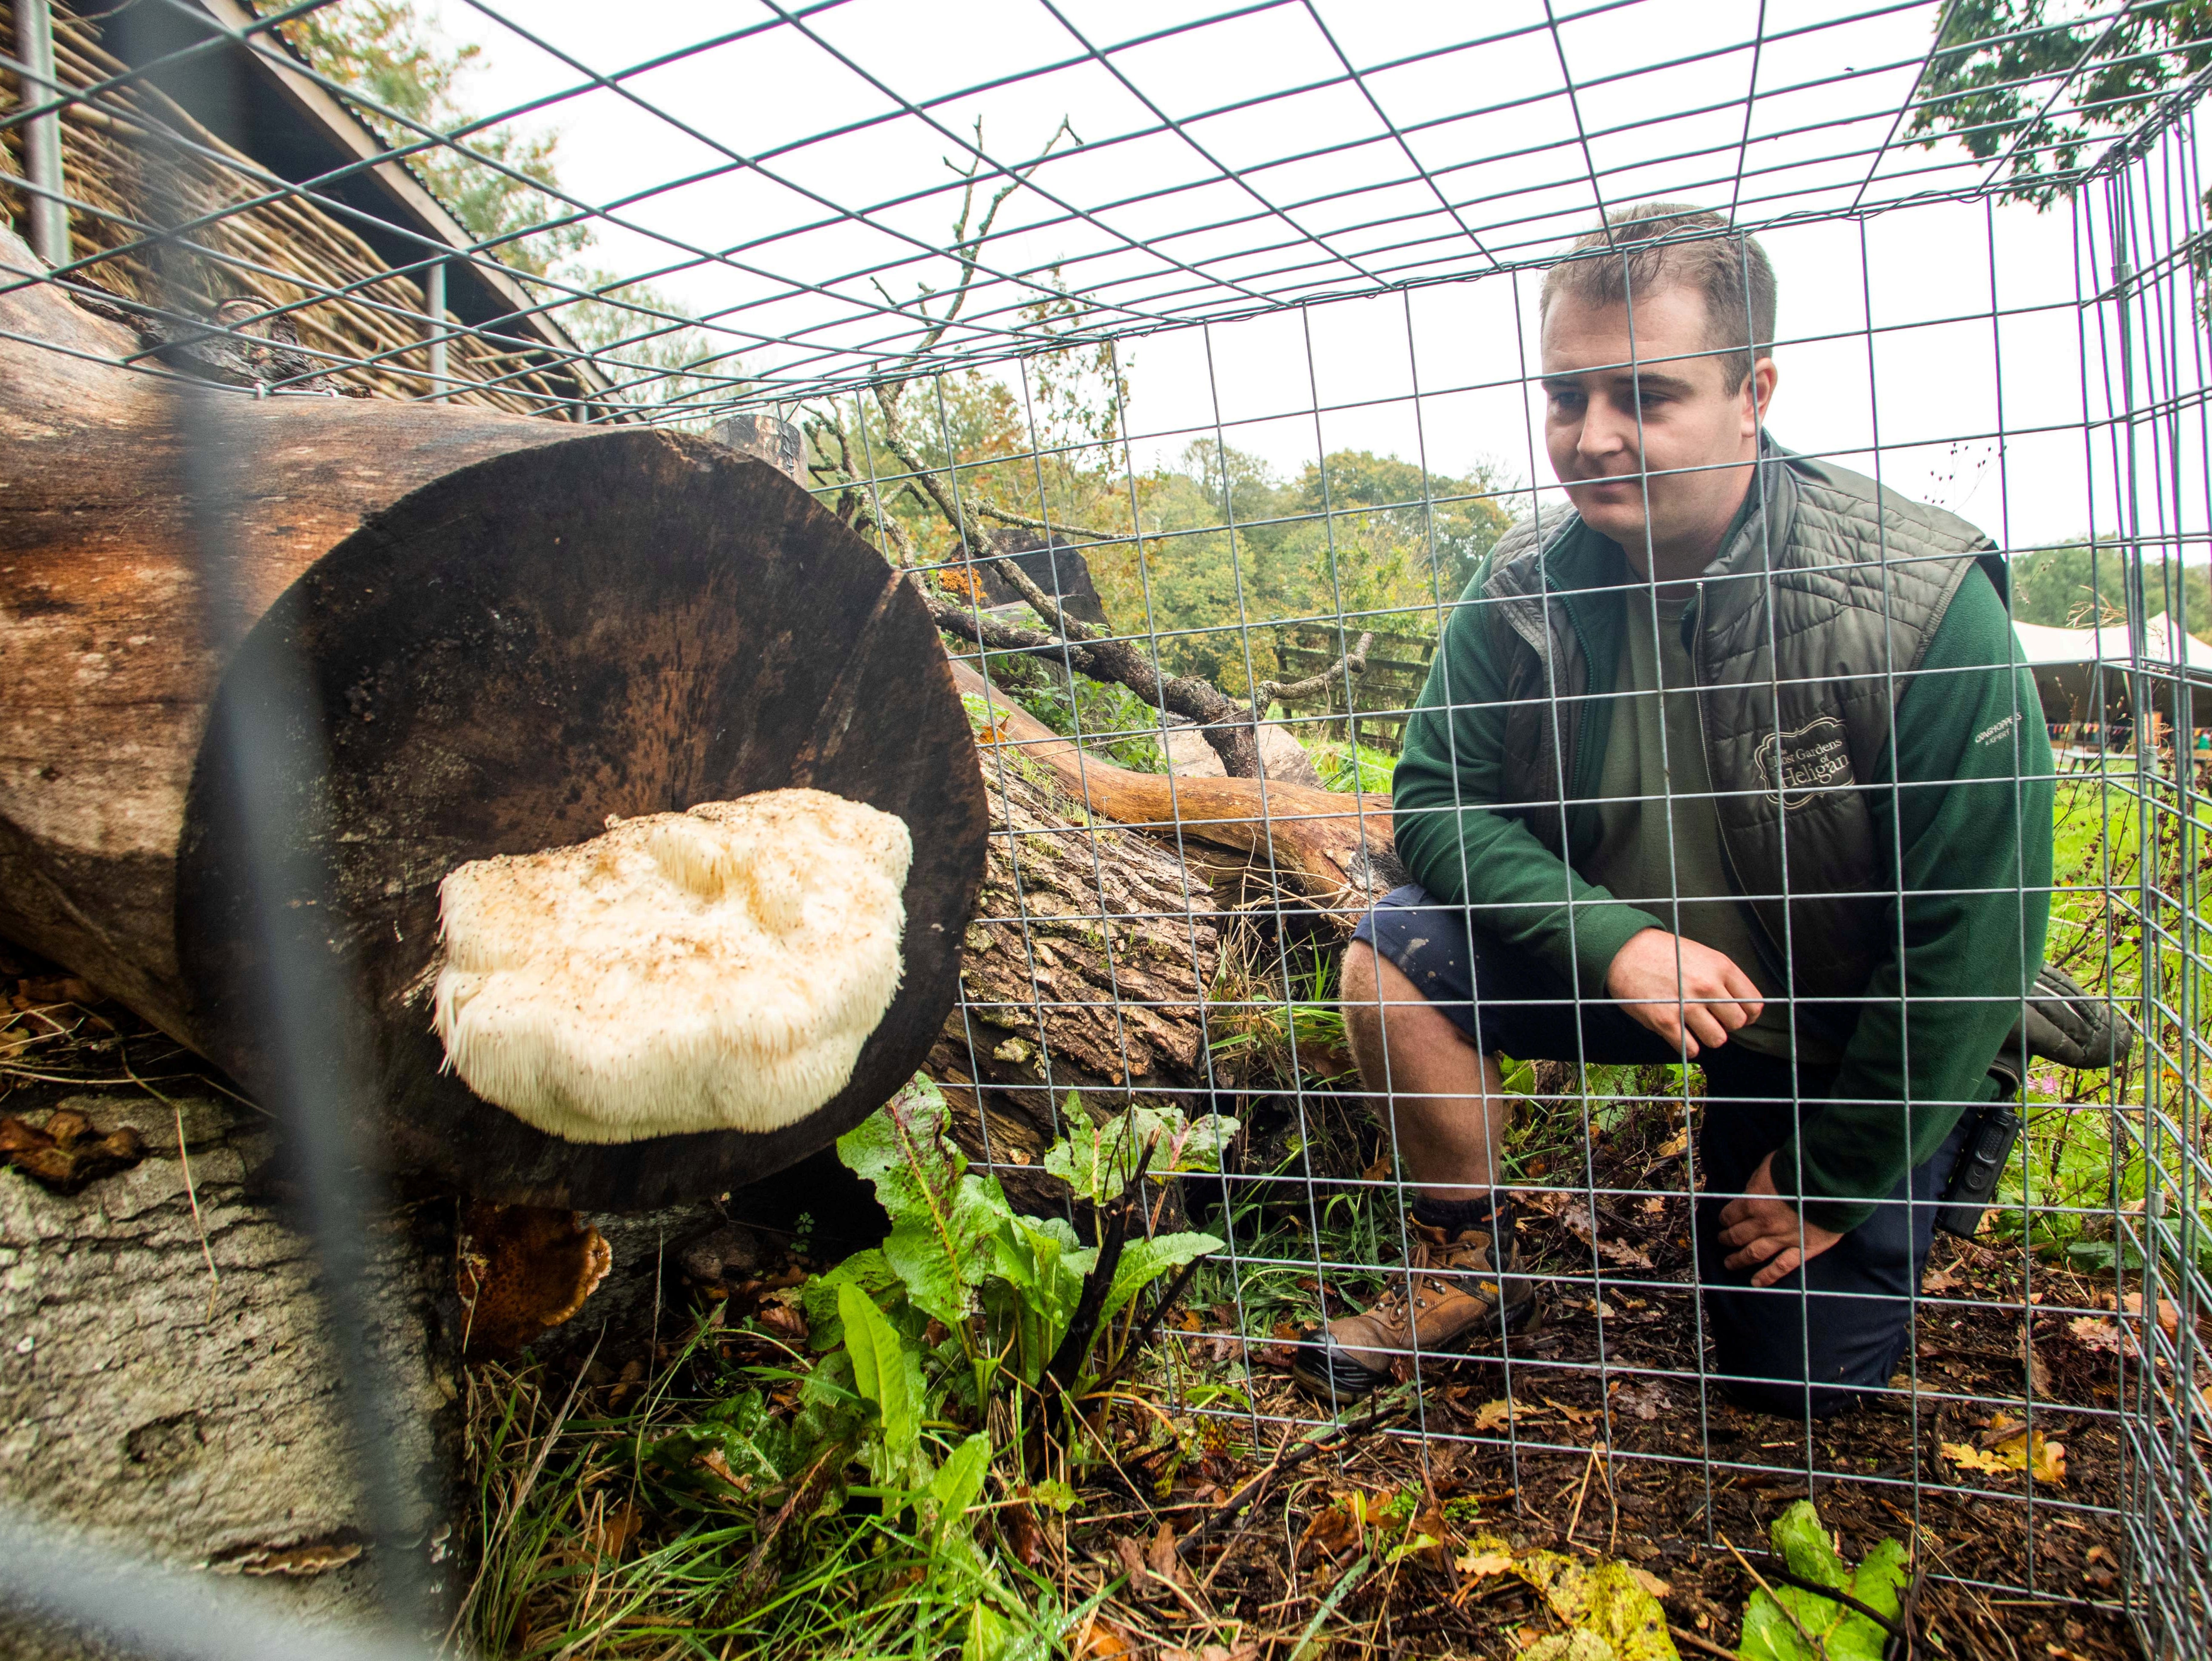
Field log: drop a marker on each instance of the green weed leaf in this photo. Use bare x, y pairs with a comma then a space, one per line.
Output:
960, 1479
886, 1373
988, 1636
825, 1328
1097, 1160
943, 1219
1032, 1298
1144, 1261
1844, 1634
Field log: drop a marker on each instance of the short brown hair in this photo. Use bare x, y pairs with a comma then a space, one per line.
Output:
1657, 245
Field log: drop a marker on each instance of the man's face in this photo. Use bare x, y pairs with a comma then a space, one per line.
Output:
1614, 432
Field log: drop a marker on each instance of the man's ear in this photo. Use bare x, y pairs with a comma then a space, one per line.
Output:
1757, 393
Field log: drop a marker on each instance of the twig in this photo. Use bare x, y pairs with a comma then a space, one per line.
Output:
1143, 1334
1249, 1494
1583, 1492
1703, 1645
185, 1160
997, 634
1812, 1643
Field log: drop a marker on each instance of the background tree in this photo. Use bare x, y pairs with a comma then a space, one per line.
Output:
1990, 82
2070, 585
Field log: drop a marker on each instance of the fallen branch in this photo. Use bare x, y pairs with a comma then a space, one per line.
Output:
1335, 848
995, 634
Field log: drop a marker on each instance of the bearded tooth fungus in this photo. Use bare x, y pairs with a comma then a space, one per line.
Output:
714, 970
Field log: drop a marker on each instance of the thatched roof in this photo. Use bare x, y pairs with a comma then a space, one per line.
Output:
209, 141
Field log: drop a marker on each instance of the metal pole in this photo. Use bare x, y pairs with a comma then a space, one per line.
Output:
42, 134
434, 302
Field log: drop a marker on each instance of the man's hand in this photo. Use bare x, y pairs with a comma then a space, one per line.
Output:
1701, 990
1764, 1228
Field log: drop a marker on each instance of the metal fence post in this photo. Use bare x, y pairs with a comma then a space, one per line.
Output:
42, 134
434, 304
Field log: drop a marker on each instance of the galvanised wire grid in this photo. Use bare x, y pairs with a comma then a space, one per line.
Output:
1167, 289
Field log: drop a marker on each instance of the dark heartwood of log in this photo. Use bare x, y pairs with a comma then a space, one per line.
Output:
510, 632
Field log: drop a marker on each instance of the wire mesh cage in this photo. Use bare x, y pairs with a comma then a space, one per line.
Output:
1199, 373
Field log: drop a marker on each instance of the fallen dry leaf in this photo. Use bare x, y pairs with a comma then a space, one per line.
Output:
1647, 1401
1576, 1215
67, 1154
2169, 1313
1650, 1582
1161, 1559
1481, 1563
2009, 1445
611, 1535
1575, 1415
1102, 1640
1939, 1281
2100, 1332
1497, 1415
1019, 1533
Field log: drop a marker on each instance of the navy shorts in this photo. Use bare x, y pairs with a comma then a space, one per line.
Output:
1809, 1343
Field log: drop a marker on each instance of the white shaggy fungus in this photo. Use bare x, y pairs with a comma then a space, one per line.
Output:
714, 970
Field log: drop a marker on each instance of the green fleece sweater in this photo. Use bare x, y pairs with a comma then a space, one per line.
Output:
1962, 811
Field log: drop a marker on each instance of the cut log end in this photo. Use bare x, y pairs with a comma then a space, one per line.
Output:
627, 626
714, 970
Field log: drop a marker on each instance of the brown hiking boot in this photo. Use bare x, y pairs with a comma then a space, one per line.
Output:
1448, 1296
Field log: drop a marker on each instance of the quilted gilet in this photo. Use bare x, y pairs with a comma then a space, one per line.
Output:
1804, 634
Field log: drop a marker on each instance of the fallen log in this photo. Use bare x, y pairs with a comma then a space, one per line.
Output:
1333, 848
510, 632
1087, 966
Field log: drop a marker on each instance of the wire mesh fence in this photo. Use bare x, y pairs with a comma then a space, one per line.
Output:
1204, 380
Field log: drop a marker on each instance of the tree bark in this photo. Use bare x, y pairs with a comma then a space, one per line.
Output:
1088, 963
508, 632
206, 1424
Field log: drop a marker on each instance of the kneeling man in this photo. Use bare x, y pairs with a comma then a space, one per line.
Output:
1734, 763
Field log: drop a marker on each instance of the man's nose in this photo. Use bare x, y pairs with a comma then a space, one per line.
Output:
1607, 431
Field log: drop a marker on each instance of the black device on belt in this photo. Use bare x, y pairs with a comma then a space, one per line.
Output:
1974, 1179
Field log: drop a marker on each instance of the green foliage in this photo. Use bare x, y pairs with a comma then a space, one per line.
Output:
1106, 719
1006, 1287
943, 1219
1842, 1634
1355, 767
1372, 538
888, 1375
1099, 1160
2070, 585
1994, 81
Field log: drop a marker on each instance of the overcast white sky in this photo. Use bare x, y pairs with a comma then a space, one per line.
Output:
1238, 223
